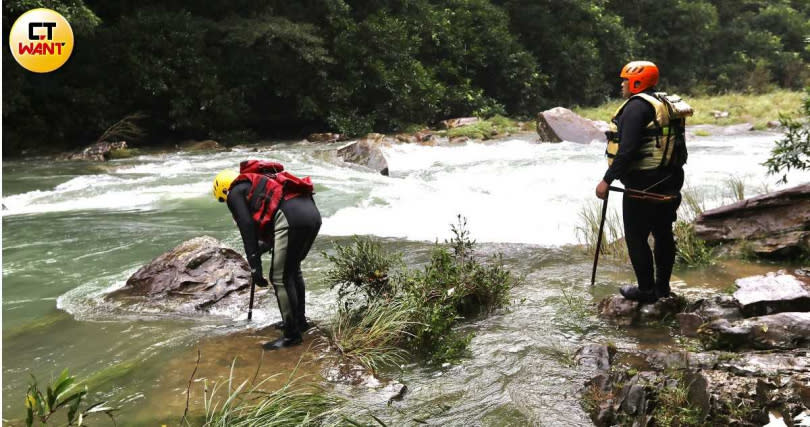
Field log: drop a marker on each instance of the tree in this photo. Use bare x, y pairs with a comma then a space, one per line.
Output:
792, 151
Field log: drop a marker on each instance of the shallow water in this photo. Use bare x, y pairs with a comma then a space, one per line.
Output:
72, 232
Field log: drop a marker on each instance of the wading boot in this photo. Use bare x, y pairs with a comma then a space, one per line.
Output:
633, 293
282, 342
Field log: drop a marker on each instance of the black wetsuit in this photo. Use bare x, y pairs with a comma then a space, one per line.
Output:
296, 224
642, 217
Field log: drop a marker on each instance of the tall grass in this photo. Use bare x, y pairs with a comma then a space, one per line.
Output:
736, 186
370, 337
297, 402
588, 231
693, 204
757, 109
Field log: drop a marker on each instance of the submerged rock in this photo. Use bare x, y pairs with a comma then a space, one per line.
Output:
625, 312
561, 124
459, 122
327, 137
366, 152
775, 331
773, 224
193, 276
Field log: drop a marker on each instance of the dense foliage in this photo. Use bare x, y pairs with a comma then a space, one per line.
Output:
239, 69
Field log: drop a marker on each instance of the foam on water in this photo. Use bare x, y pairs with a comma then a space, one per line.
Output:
510, 191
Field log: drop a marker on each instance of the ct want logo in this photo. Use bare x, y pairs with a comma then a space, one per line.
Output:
41, 40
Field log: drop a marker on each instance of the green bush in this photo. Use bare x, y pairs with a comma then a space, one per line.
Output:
362, 269
418, 310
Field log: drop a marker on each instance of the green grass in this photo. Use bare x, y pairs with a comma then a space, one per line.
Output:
486, 129
297, 402
369, 337
613, 235
743, 108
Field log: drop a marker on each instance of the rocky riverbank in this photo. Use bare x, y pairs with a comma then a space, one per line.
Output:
750, 364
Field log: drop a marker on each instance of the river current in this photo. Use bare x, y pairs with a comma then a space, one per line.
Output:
74, 231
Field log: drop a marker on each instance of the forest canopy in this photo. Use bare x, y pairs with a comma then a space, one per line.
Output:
233, 70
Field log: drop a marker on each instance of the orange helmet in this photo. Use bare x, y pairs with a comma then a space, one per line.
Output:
641, 75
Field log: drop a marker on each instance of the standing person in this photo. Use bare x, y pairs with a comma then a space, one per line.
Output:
274, 210
646, 151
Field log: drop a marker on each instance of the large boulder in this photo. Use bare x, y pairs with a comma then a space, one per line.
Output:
99, 152
622, 311
366, 152
773, 224
561, 124
773, 293
193, 276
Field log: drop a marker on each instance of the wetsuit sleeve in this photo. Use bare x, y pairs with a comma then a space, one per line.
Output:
632, 122
238, 205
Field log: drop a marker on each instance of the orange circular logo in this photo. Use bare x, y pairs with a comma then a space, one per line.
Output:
41, 40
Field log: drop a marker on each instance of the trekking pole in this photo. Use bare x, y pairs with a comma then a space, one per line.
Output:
599, 238
250, 307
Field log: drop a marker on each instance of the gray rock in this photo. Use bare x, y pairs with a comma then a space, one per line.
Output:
773, 224
206, 145
561, 124
775, 331
619, 309
773, 293
634, 399
698, 391
366, 152
193, 276
593, 356
689, 323
717, 307
99, 152
663, 360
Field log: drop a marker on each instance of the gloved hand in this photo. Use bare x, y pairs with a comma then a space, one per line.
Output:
258, 278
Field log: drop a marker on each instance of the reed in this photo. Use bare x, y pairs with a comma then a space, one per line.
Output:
613, 245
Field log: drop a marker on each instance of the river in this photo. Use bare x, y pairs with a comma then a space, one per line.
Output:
74, 231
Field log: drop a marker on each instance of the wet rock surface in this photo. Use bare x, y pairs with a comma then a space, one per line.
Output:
775, 331
775, 224
625, 312
773, 293
561, 124
685, 388
193, 276
366, 152
98, 152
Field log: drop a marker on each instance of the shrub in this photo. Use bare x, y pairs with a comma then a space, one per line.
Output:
362, 269
384, 311
792, 151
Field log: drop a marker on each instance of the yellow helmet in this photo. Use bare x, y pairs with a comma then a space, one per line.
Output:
222, 182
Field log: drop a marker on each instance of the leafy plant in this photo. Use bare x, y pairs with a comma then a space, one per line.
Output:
792, 151
41, 407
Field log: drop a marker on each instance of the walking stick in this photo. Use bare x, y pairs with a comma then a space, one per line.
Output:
250, 307
599, 238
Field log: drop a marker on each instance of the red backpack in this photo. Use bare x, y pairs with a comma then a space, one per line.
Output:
269, 183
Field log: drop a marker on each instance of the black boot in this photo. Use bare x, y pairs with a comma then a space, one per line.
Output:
633, 293
662, 291
282, 342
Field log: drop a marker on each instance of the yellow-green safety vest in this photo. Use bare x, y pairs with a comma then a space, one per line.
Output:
659, 140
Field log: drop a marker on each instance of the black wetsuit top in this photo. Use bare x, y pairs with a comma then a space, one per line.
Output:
631, 124
300, 212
